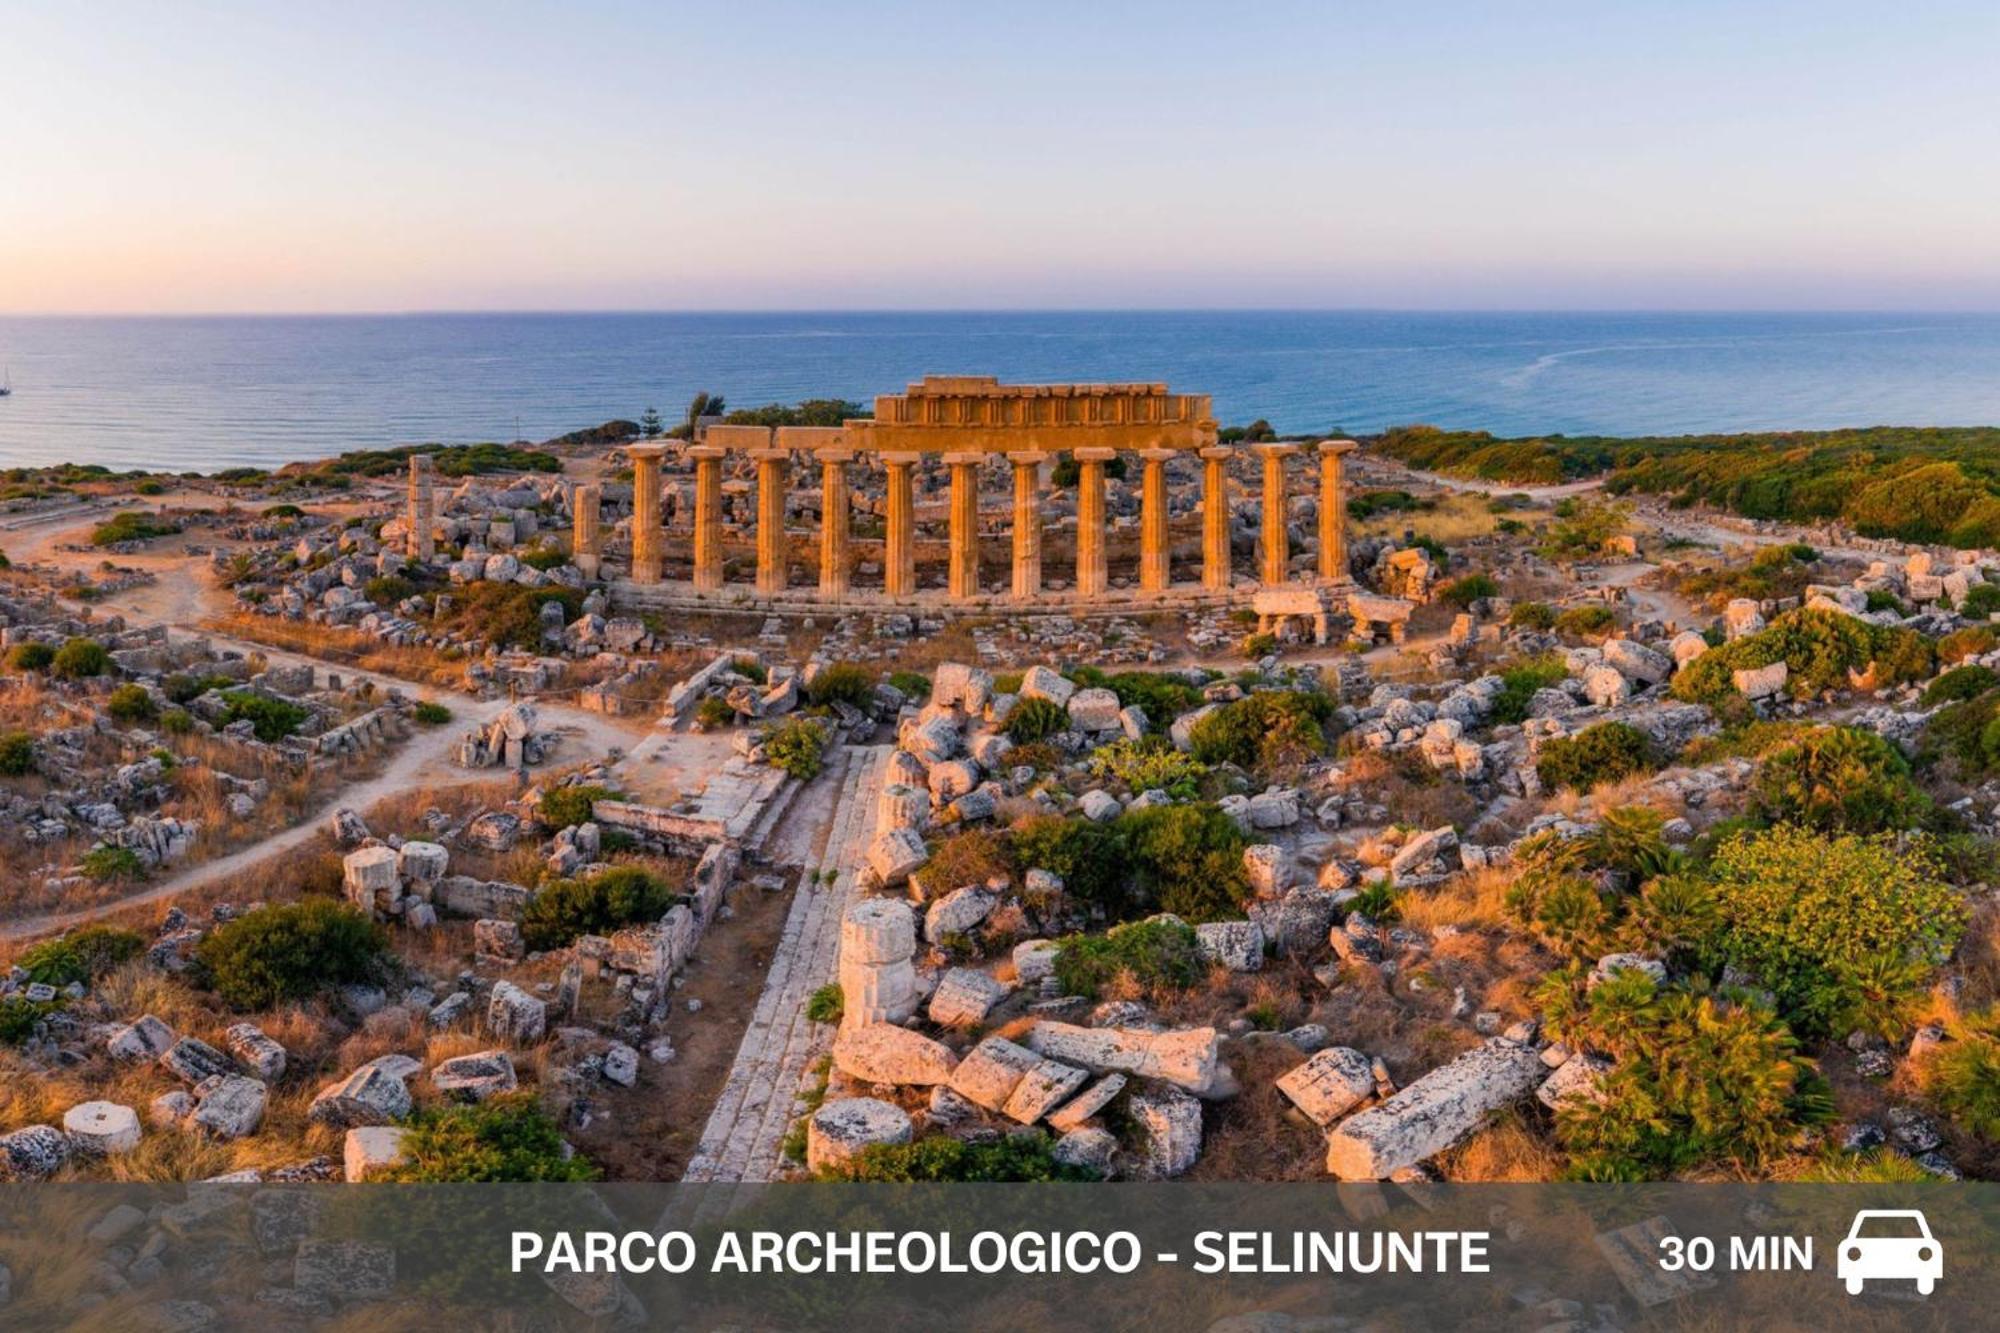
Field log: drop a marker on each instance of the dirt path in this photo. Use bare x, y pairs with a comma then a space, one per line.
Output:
744, 1137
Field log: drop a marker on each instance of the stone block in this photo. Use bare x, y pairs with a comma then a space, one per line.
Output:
964, 997
990, 1072
1330, 1084
839, 1130
102, 1129
885, 1053
1433, 1113
371, 1150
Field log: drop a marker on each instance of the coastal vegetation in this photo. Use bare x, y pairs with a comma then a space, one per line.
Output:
1921, 484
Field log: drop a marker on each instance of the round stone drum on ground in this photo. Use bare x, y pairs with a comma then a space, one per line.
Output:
839, 1130
102, 1127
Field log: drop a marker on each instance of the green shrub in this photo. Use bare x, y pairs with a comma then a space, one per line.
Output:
177, 722
82, 955
388, 589
1844, 930
430, 713
844, 682
714, 711
1586, 621
1160, 696
1187, 860
80, 659
271, 719
1818, 647
1089, 857
111, 865
1269, 731
1696, 1081
290, 952
1981, 600
1148, 765
916, 686
184, 689
131, 703
134, 525
1015, 1158
798, 746
564, 910
563, 807
30, 657
1532, 615
506, 1139
542, 556
1519, 682
1583, 528
1968, 733
17, 753
1463, 592
1153, 952
1963, 1079
751, 670
509, 614
1602, 753
1035, 720
1258, 645
1960, 683
1973, 641
1842, 780
19, 1015
827, 1004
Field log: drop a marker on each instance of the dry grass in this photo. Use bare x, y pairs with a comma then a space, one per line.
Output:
1475, 900
1508, 1150
352, 648
1458, 517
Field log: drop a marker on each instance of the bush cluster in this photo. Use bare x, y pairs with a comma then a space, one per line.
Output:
1602, 753
1269, 731
82, 955
1012, 1159
564, 807
289, 952
1035, 719
80, 659
846, 682
1818, 647
1520, 681
1840, 779
564, 910
798, 746
506, 1139
1155, 952
272, 719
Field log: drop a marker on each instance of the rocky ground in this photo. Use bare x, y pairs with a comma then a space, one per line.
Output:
752, 898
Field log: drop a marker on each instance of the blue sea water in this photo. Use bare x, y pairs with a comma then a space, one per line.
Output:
206, 393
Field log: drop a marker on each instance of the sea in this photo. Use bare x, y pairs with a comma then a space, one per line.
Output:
207, 393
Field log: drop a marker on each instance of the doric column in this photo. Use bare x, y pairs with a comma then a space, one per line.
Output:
1027, 523
1215, 516
1277, 546
584, 541
645, 511
899, 564
964, 567
1155, 558
773, 570
1333, 510
1092, 567
833, 521
420, 544
707, 516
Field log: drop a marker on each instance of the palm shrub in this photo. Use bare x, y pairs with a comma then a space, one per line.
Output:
82, 955
1963, 1079
1842, 780
1696, 1081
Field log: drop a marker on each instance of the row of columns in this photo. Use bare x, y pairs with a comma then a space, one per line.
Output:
900, 566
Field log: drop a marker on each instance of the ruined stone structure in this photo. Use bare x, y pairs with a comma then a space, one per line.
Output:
963, 422
420, 543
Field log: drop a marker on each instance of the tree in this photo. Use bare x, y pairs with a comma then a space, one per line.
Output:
649, 423
703, 404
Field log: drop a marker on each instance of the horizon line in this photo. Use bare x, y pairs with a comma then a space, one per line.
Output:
600, 311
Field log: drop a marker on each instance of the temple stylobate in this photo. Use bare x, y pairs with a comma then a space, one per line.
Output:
865, 476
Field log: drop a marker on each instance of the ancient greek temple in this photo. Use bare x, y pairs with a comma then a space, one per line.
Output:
865, 467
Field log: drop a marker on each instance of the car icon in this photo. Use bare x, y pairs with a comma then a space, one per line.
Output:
1890, 1244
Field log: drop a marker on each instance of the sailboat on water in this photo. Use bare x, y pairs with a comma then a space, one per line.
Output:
7, 384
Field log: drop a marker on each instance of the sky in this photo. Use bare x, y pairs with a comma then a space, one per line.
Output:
1620, 154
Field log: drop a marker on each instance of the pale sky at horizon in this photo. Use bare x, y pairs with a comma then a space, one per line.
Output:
223, 157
